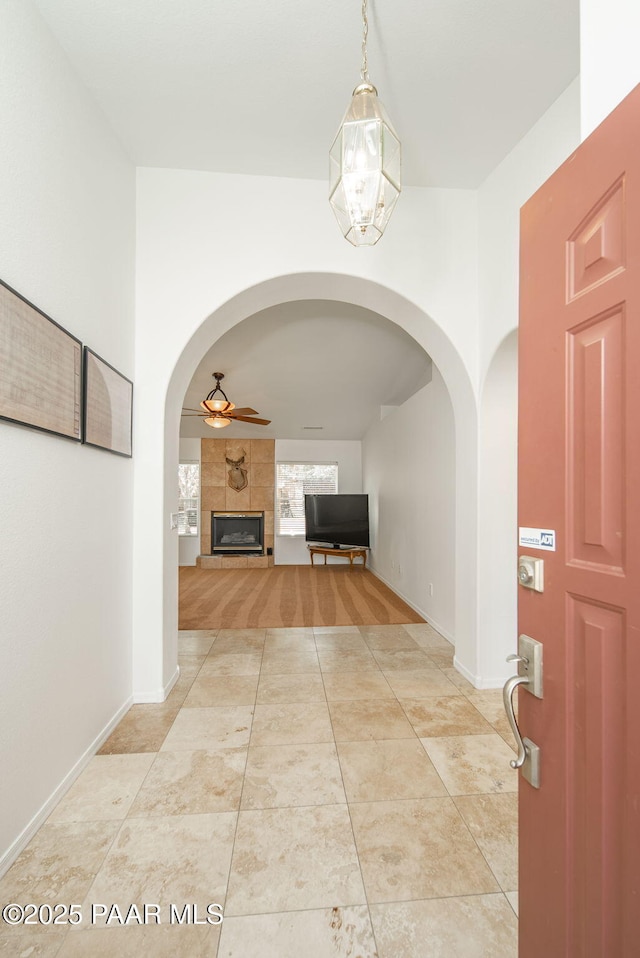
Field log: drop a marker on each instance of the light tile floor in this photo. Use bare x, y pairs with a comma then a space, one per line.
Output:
340, 792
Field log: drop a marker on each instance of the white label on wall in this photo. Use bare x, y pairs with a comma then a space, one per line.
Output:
538, 539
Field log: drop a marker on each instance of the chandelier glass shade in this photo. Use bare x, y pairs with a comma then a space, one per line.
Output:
364, 174
217, 405
218, 422
364, 179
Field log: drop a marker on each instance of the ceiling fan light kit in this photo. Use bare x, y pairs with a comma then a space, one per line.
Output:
220, 412
218, 422
365, 160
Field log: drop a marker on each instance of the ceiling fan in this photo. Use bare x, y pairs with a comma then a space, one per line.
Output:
219, 412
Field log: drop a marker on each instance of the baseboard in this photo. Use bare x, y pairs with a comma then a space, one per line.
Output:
479, 681
416, 608
159, 696
9, 856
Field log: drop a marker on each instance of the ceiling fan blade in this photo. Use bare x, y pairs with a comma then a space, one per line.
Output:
244, 411
258, 422
188, 409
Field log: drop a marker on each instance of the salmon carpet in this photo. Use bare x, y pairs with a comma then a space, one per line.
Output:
286, 596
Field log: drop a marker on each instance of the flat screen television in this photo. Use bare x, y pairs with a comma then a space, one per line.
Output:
340, 520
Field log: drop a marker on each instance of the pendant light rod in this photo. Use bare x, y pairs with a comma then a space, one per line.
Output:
364, 69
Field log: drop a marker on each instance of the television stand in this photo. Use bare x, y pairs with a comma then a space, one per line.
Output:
349, 551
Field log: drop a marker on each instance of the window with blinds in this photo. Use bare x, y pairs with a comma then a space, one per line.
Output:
293, 480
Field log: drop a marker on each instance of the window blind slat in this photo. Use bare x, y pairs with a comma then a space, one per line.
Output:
293, 481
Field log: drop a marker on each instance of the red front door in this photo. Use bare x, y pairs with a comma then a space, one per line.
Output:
579, 475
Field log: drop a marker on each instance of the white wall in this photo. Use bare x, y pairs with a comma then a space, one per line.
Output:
189, 546
609, 63
292, 550
67, 244
408, 463
554, 137
213, 249
500, 197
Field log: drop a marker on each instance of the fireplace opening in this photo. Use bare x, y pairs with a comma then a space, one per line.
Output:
237, 533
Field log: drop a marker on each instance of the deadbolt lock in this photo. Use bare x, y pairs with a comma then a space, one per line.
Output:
531, 573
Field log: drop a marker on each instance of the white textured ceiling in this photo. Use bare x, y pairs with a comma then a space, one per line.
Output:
250, 86
310, 363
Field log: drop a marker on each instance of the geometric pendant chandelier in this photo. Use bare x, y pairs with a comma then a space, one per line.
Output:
364, 177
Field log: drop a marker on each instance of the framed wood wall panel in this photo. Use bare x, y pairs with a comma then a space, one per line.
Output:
40, 369
108, 406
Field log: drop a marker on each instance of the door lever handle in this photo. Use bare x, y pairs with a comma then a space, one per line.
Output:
507, 694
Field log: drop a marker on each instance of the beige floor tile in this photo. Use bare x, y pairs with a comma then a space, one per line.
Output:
144, 941
196, 633
336, 629
388, 770
191, 783
143, 729
235, 634
362, 721
58, 865
421, 683
326, 933
390, 642
297, 724
292, 633
105, 790
209, 729
347, 660
290, 643
282, 775
482, 926
196, 643
493, 822
341, 642
350, 686
242, 640
417, 849
290, 689
209, 691
293, 858
443, 659
394, 628
458, 680
182, 860
403, 659
41, 944
419, 629
512, 898
432, 641
282, 663
192, 661
450, 715
473, 764
489, 703
232, 663
180, 690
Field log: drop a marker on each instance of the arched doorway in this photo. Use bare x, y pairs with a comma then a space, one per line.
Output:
155, 591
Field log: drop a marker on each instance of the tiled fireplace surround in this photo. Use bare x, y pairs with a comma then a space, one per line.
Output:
217, 495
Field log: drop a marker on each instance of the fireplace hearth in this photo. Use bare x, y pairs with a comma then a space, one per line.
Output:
237, 533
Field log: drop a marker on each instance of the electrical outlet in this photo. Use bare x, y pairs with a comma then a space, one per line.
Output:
431, 588
399, 570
